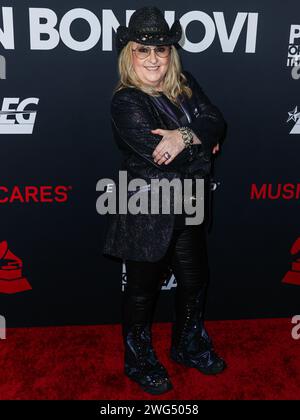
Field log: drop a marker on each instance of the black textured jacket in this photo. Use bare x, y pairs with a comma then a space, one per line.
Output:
145, 237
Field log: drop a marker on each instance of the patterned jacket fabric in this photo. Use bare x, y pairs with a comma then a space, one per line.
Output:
145, 237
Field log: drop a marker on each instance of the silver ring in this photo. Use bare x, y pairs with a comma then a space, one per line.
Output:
167, 155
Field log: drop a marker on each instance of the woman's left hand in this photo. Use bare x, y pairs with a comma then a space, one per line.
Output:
171, 142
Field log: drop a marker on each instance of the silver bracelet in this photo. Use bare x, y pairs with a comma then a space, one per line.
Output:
187, 136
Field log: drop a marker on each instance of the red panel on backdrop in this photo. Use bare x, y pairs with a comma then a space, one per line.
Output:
11, 279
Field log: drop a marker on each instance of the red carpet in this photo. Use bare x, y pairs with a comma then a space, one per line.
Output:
86, 363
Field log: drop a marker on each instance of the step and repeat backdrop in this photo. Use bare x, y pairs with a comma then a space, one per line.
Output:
58, 68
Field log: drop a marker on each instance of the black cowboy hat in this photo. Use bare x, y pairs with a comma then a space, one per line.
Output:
148, 26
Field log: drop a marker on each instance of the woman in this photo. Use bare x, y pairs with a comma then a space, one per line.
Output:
166, 128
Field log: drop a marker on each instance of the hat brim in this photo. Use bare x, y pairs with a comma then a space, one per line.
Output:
173, 37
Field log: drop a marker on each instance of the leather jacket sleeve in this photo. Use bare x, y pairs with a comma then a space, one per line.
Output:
209, 126
132, 119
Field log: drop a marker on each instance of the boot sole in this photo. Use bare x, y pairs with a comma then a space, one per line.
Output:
167, 386
208, 371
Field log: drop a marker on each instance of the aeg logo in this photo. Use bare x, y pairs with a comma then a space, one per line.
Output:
12, 120
46, 31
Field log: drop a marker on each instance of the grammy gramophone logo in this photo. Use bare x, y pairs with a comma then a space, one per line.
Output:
11, 277
293, 275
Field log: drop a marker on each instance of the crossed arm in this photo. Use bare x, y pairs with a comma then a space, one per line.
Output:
136, 126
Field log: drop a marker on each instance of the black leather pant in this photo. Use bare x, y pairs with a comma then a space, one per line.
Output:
187, 258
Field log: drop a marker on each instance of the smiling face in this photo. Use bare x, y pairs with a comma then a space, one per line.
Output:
151, 70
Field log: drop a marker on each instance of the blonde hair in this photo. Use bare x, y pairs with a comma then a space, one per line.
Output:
174, 81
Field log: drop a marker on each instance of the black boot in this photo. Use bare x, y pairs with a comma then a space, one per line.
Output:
141, 363
191, 344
